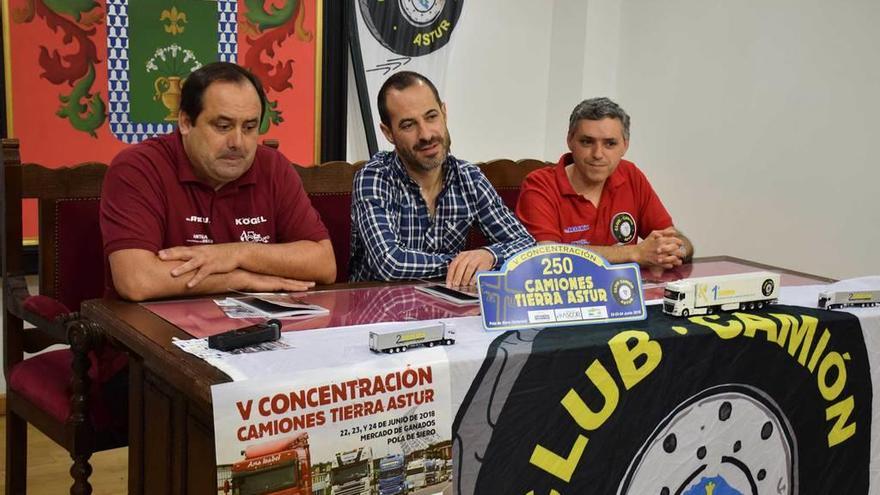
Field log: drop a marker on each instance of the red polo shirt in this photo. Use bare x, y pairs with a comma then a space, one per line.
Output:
551, 210
152, 200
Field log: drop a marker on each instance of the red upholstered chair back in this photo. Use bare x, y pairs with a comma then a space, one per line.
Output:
329, 188
506, 176
70, 247
74, 250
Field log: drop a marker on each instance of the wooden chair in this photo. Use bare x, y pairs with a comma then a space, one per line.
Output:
329, 188
506, 176
64, 393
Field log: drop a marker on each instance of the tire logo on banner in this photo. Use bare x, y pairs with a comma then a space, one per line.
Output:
623, 227
761, 459
411, 27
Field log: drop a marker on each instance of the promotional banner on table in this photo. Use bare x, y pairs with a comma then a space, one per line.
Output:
387, 36
87, 77
772, 401
383, 424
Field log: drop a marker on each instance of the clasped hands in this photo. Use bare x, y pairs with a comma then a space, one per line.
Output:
662, 249
205, 260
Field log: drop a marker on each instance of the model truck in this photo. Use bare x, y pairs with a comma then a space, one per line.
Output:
392, 475
352, 472
401, 340
705, 295
280, 467
842, 299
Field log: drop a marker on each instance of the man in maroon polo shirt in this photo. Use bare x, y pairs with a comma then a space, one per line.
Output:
206, 209
595, 198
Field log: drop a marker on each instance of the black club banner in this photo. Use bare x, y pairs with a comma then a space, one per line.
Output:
775, 401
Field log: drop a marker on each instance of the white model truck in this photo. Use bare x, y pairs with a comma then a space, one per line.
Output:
842, 298
352, 472
704, 295
401, 340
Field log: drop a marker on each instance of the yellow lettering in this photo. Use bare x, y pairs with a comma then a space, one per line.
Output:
842, 411
820, 348
626, 356
561, 467
801, 336
585, 417
726, 332
754, 323
836, 360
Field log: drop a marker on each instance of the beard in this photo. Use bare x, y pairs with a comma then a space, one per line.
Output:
408, 155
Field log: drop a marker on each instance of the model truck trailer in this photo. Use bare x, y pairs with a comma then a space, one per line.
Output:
841, 299
401, 340
352, 472
705, 295
280, 467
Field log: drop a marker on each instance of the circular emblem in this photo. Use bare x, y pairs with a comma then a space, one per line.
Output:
623, 227
411, 27
421, 13
767, 287
762, 459
623, 291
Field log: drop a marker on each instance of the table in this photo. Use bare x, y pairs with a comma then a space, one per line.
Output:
171, 447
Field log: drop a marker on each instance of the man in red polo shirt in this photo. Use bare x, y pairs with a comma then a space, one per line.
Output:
206, 209
595, 198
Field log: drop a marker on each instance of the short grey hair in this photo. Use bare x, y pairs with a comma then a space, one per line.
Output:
598, 109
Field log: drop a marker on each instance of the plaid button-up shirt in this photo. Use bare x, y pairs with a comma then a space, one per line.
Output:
393, 237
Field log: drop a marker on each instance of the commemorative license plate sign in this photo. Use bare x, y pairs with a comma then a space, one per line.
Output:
557, 285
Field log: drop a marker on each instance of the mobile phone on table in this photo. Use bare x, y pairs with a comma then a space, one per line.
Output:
454, 296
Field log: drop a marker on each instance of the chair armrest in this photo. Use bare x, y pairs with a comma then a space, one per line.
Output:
48, 315
15, 292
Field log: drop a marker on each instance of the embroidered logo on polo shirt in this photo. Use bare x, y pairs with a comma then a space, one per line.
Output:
250, 220
200, 239
251, 236
576, 228
198, 219
623, 227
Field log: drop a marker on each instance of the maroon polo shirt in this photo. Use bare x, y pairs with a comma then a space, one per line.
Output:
151, 199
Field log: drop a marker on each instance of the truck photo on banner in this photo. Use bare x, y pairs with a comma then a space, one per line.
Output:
387, 36
87, 77
383, 426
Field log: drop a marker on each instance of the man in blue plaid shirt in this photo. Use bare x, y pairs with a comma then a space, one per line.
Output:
412, 208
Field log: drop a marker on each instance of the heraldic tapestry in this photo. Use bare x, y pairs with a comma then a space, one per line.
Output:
85, 78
